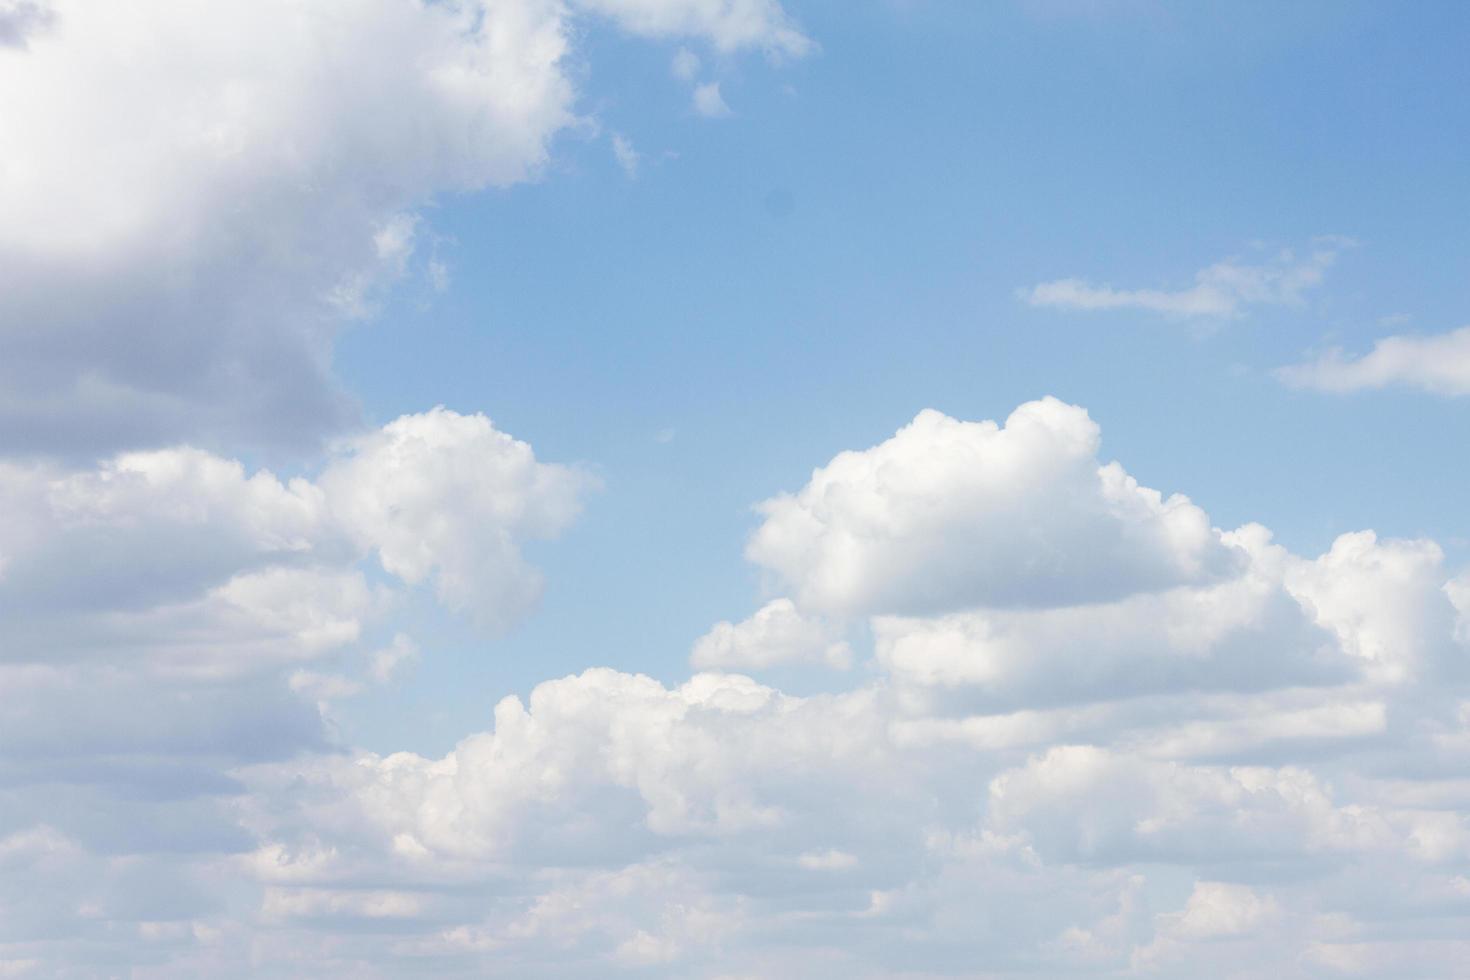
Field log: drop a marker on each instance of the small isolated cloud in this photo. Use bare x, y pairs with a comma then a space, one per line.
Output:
709, 102
439, 275
628, 158
685, 65
1438, 363
1224, 289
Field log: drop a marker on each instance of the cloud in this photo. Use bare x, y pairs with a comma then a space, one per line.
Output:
448, 496
1245, 632
183, 539
728, 24
777, 633
1098, 751
709, 102
628, 158
167, 616
224, 180
1224, 289
685, 65
1190, 749
194, 198
948, 515
1438, 363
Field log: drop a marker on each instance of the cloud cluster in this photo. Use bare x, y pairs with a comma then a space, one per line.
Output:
166, 617
1088, 732
194, 200
1194, 750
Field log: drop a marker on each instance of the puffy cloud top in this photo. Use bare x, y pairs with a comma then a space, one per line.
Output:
949, 515
450, 495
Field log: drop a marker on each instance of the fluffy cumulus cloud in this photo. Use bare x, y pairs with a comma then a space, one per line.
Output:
194, 198
949, 514
1437, 363
1195, 751
180, 541
1201, 766
167, 616
1225, 289
449, 496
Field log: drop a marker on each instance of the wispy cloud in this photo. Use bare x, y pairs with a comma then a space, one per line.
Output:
1221, 290
1438, 363
685, 65
628, 158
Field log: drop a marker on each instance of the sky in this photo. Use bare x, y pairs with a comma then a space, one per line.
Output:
734, 488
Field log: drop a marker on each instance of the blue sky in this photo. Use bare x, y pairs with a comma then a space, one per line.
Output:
688, 488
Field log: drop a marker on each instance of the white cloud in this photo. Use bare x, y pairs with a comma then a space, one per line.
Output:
777, 633
709, 102
216, 175
1223, 289
949, 515
166, 616
177, 539
1385, 602
449, 496
194, 196
1438, 363
1216, 911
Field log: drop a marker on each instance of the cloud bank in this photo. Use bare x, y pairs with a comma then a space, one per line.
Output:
1094, 734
